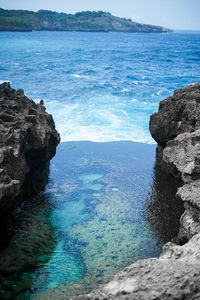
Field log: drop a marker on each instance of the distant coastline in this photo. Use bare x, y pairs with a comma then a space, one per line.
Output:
89, 21
186, 31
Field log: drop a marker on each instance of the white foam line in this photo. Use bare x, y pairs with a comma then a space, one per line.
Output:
78, 122
79, 76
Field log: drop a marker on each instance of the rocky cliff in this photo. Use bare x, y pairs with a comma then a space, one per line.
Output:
176, 273
24, 20
176, 128
28, 141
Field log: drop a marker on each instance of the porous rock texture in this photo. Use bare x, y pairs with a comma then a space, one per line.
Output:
176, 273
176, 128
28, 141
177, 114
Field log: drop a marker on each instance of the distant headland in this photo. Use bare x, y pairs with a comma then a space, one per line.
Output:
25, 20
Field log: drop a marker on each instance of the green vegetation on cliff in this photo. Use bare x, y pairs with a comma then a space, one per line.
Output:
24, 20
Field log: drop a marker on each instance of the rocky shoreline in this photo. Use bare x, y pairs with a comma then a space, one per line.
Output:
176, 129
176, 273
28, 141
89, 21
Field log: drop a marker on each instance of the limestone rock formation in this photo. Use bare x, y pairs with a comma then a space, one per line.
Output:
176, 273
176, 128
28, 141
177, 114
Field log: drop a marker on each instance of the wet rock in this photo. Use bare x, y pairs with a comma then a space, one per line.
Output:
163, 209
28, 141
30, 246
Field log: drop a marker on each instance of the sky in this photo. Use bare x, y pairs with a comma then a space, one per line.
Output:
174, 14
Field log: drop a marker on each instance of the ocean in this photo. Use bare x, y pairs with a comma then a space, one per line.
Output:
100, 86
107, 204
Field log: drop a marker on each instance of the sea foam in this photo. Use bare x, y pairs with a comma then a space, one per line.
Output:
79, 76
97, 122
100, 87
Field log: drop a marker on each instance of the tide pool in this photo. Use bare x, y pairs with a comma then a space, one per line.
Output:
95, 217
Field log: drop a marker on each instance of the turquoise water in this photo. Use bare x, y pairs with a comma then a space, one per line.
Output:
103, 207
100, 86
93, 219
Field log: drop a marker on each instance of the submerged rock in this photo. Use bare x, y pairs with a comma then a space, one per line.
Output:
176, 273
28, 141
31, 245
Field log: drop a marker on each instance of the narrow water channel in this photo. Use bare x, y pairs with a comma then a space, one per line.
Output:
93, 219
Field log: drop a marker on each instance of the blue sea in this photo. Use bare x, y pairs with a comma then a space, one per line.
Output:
100, 86
107, 204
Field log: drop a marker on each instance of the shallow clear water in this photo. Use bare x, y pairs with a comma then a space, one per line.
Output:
102, 212
100, 86
96, 216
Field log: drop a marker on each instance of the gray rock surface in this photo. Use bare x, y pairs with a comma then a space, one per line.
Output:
28, 141
181, 156
177, 114
176, 128
176, 273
